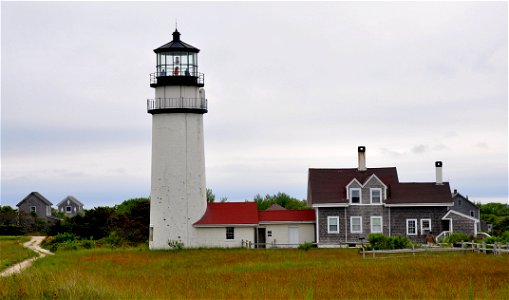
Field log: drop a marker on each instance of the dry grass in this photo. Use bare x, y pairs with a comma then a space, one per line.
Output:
254, 274
12, 250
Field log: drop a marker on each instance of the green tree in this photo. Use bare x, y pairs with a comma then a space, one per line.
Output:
496, 214
210, 196
280, 198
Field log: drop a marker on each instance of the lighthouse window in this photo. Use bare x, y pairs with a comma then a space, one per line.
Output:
230, 233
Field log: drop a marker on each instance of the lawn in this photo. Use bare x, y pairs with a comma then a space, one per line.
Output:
12, 250
254, 274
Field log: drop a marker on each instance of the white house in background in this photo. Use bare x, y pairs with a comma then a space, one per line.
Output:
70, 206
228, 224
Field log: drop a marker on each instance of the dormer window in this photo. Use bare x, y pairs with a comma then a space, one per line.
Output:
376, 195
355, 195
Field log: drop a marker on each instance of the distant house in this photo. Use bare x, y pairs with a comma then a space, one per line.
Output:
351, 203
228, 224
35, 203
70, 206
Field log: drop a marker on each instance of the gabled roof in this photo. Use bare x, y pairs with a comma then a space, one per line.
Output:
38, 196
329, 185
247, 214
229, 213
303, 215
458, 195
70, 198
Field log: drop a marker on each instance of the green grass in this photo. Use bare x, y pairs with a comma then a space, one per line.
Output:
254, 274
12, 250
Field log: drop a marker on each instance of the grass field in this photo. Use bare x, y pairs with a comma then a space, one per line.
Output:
12, 250
255, 274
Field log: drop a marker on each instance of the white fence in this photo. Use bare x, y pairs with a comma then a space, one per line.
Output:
497, 249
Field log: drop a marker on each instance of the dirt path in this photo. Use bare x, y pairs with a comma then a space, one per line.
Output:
34, 245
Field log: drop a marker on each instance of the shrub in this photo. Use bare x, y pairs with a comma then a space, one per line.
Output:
63, 237
305, 246
457, 237
401, 242
113, 240
88, 244
378, 241
11, 229
69, 245
176, 245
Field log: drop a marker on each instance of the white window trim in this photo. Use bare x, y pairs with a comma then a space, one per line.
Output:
408, 227
351, 224
70, 209
371, 190
381, 224
328, 224
425, 228
34, 209
360, 195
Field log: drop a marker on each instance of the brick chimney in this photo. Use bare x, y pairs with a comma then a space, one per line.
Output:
361, 150
438, 167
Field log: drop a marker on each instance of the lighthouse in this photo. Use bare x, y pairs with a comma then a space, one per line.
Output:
178, 191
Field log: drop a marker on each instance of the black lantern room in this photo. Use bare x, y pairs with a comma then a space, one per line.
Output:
177, 64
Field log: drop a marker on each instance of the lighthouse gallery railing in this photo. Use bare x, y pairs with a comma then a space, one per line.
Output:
170, 103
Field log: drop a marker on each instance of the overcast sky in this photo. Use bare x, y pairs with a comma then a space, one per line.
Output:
290, 86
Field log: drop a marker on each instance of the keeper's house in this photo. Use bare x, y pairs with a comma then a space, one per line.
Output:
352, 203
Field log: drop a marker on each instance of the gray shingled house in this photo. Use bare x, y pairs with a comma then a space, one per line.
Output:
70, 206
352, 203
37, 204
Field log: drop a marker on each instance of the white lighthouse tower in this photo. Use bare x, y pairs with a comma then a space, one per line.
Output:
178, 191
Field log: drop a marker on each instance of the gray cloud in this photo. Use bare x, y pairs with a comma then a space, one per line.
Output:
415, 82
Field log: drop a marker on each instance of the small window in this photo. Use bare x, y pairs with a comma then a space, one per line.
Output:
376, 224
459, 202
425, 226
269, 233
376, 196
472, 213
356, 224
411, 226
33, 209
230, 234
355, 195
68, 209
333, 224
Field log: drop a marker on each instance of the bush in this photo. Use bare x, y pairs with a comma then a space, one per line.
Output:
11, 229
378, 241
88, 244
113, 240
63, 237
305, 246
457, 237
176, 245
69, 245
